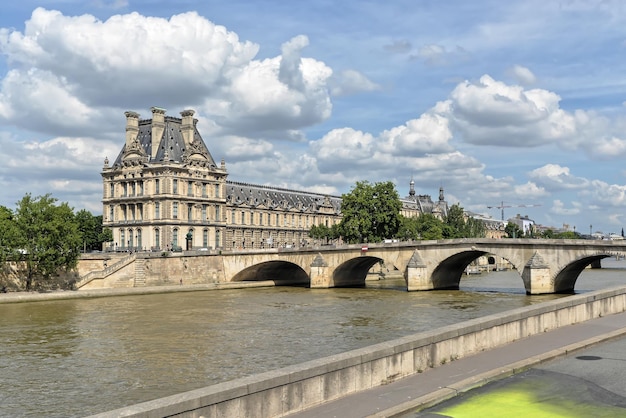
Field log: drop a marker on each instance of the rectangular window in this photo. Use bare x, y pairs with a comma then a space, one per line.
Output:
204, 212
157, 238
157, 186
189, 189
243, 217
112, 190
124, 189
217, 190
232, 217
111, 213
175, 186
189, 211
204, 190
217, 213
157, 210
205, 238
217, 238
141, 188
175, 210
261, 218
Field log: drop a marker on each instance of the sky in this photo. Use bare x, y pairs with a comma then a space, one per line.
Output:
520, 104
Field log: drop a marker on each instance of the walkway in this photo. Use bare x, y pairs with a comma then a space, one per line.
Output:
441, 383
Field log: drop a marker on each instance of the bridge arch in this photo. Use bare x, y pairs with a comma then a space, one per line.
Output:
353, 272
282, 273
566, 278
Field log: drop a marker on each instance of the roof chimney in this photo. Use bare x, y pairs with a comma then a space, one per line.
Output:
158, 126
187, 127
132, 127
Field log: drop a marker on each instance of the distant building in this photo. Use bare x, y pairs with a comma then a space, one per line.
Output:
165, 191
524, 223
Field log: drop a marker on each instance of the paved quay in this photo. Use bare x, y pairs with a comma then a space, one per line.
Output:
426, 389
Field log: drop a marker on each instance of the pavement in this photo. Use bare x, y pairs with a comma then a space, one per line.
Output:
408, 395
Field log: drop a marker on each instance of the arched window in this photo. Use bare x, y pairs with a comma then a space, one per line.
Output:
175, 237
130, 238
217, 238
122, 238
139, 238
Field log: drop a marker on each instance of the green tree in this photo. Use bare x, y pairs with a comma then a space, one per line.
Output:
513, 231
47, 236
322, 232
457, 225
426, 227
370, 212
455, 222
8, 245
92, 232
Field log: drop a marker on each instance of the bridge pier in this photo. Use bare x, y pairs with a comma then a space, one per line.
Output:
416, 274
537, 276
320, 273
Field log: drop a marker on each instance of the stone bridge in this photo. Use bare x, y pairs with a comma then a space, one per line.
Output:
545, 266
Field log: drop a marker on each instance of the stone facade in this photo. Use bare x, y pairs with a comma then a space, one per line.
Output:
164, 191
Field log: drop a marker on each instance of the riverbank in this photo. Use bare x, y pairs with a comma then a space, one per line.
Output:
18, 297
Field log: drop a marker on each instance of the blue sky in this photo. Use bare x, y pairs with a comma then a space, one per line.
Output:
521, 102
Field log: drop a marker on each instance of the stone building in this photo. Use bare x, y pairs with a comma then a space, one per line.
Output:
165, 191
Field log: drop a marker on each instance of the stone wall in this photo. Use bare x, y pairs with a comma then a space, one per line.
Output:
295, 388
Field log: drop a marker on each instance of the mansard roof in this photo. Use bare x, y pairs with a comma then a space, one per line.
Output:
254, 195
171, 143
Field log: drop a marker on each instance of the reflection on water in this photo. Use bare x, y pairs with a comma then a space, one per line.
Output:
77, 357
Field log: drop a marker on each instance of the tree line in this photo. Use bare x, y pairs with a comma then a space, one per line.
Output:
371, 213
41, 238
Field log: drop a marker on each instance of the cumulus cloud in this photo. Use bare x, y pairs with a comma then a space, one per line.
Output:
523, 75
556, 177
186, 58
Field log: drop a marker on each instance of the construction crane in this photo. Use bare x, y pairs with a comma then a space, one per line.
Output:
501, 206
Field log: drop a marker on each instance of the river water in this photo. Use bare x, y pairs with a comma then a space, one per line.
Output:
78, 357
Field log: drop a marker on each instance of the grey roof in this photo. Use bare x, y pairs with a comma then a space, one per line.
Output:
171, 143
253, 195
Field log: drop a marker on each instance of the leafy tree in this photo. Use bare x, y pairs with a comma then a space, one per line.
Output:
91, 230
456, 225
455, 222
513, 231
47, 236
323, 232
8, 248
475, 228
371, 212
426, 226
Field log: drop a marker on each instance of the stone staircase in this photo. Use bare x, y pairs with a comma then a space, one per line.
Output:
109, 270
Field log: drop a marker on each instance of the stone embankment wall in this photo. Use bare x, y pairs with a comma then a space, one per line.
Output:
295, 388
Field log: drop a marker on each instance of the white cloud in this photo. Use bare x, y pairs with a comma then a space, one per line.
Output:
556, 177
523, 75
